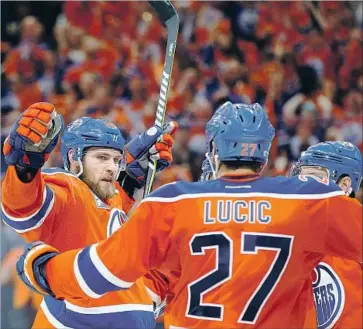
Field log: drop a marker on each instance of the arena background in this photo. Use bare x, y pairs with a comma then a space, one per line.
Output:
301, 60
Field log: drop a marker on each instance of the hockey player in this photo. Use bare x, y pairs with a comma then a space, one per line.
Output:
337, 287
242, 246
337, 284
80, 205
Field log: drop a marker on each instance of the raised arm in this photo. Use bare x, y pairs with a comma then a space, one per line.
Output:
27, 201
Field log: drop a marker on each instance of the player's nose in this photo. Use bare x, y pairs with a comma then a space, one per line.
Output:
112, 167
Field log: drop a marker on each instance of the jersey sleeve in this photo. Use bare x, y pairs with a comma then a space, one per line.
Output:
344, 228
33, 209
116, 263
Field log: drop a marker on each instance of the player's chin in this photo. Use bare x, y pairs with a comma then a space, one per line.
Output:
106, 190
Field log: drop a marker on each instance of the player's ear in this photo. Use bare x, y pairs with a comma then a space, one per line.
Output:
70, 157
73, 164
345, 183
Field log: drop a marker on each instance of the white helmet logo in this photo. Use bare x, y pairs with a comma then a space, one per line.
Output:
152, 131
348, 145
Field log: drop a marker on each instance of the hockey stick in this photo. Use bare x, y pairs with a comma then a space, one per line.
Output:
169, 17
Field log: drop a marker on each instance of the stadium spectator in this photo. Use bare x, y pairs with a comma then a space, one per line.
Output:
302, 60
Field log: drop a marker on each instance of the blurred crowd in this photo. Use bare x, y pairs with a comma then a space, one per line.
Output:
301, 60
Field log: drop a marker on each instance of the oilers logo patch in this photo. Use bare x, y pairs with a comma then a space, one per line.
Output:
329, 296
117, 218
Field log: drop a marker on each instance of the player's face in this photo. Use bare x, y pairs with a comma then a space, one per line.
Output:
100, 169
320, 172
323, 173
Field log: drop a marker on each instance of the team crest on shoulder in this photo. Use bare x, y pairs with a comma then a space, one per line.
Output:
117, 218
329, 296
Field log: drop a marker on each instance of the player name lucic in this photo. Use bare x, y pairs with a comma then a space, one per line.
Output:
239, 211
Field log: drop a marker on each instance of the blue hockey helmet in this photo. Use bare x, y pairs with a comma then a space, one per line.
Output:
240, 132
88, 132
340, 158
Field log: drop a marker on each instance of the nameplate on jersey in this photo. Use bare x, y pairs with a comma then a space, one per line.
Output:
239, 211
115, 221
329, 296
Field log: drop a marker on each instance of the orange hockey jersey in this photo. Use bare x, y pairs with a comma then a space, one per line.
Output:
243, 250
60, 209
337, 293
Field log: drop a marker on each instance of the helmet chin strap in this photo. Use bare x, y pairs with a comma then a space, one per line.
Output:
80, 168
77, 159
214, 163
122, 165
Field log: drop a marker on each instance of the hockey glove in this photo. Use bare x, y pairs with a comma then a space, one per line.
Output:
33, 137
155, 143
31, 264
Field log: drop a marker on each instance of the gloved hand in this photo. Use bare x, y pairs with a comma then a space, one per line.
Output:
207, 172
155, 143
31, 264
33, 137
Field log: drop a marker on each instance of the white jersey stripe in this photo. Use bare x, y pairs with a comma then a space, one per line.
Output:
82, 283
246, 195
108, 308
104, 271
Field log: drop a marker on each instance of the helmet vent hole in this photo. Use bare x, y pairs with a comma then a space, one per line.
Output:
225, 122
254, 119
235, 144
241, 118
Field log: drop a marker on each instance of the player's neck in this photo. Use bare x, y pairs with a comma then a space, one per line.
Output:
223, 171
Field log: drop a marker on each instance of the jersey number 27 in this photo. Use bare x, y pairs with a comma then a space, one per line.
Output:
251, 243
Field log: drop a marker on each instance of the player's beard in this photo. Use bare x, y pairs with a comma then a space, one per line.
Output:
102, 189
